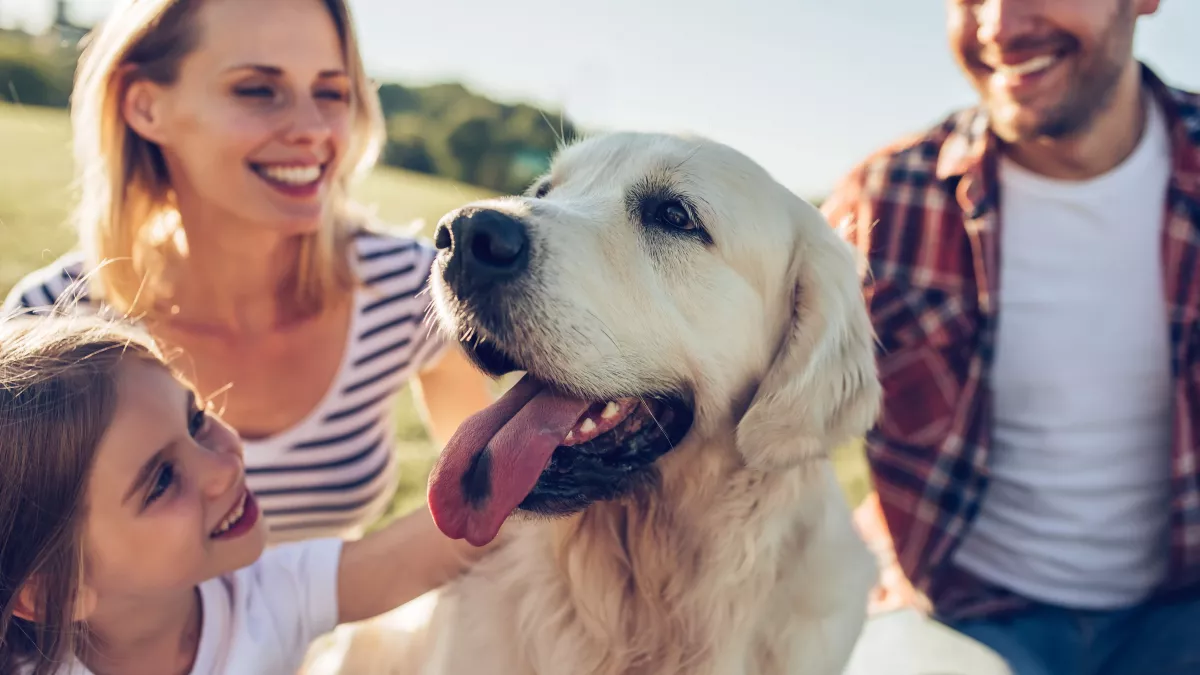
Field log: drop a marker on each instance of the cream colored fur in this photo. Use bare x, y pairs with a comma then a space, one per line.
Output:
742, 560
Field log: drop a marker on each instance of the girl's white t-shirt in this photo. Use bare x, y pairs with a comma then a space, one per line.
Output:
262, 618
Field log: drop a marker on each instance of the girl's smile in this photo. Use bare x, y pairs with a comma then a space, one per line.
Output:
240, 519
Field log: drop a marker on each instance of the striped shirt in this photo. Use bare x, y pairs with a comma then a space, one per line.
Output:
925, 214
334, 472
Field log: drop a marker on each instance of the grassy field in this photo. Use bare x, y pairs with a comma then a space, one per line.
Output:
35, 196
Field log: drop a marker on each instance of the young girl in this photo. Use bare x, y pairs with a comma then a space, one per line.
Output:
129, 542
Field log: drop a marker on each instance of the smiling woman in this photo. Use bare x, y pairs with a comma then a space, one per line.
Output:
216, 142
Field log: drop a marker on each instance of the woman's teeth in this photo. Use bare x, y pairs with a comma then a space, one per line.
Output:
291, 175
231, 519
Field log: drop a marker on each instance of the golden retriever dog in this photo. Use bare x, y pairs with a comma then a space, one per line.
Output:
694, 343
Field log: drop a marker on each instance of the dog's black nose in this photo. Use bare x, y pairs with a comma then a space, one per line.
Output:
485, 247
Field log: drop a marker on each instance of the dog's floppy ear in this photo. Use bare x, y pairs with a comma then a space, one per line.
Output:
822, 388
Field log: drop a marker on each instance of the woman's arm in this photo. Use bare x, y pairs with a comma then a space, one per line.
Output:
396, 564
449, 392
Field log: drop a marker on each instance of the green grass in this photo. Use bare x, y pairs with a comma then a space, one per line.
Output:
35, 196
35, 176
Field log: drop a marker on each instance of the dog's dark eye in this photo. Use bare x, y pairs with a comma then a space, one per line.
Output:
666, 212
673, 214
542, 190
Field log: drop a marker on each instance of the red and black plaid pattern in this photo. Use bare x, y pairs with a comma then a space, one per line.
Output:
925, 213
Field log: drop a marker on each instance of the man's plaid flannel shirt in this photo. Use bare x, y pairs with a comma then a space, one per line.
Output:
925, 215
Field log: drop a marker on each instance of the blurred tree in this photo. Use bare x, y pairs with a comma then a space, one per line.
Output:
449, 130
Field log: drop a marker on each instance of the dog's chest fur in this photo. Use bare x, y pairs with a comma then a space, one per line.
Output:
740, 573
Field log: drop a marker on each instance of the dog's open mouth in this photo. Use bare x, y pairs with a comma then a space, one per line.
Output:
541, 450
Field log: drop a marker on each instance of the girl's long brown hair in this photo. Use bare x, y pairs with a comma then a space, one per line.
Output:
57, 396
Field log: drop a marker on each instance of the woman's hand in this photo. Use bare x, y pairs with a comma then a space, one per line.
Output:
396, 564
449, 392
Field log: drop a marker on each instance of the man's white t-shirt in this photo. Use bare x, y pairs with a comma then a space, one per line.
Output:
1076, 509
261, 619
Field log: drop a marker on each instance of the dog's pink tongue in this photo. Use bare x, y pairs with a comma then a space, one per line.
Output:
495, 457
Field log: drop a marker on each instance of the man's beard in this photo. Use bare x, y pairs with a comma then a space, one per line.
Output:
1090, 90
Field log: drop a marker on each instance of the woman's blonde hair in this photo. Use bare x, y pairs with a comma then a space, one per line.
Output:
126, 205
57, 398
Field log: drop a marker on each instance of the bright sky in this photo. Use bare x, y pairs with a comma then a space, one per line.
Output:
806, 87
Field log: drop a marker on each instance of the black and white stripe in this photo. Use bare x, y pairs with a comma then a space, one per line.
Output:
335, 471
44, 288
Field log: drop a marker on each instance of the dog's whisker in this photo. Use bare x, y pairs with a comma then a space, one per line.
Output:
429, 320
584, 340
650, 412
687, 158
558, 134
605, 330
